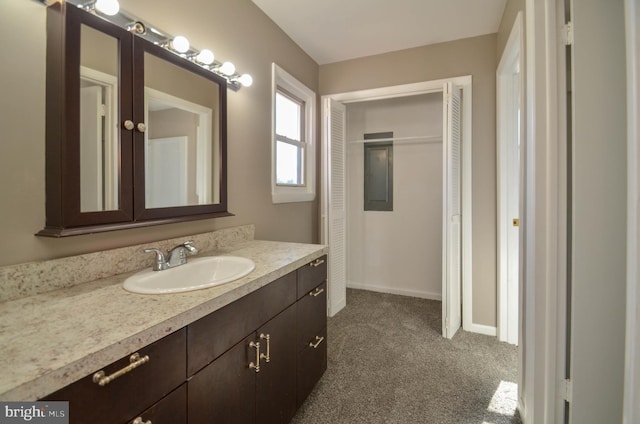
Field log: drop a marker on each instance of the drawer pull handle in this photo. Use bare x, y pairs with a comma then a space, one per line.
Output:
267, 337
134, 362
319, 339
255, 366
317, 262
138, 420
317, 292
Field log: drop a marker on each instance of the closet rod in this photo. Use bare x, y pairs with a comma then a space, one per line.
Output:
416, 139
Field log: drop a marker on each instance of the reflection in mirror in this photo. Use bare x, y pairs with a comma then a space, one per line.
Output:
182, 143
99, 144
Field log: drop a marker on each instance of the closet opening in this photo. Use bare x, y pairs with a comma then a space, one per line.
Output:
421, 245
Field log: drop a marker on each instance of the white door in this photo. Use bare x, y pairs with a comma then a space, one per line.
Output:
166, 172
333, 208
451, 226
91, 139
509, 101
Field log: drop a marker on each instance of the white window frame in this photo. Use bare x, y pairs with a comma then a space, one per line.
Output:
307, 191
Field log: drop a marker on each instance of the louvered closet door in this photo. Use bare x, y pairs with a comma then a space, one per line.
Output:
452, 234
335, 198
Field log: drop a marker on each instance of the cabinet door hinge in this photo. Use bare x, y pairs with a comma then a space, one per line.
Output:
566, 390
567, 34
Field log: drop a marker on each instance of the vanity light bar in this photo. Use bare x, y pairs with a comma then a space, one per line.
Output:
109, 10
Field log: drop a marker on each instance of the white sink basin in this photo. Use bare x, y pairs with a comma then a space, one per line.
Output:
198, 273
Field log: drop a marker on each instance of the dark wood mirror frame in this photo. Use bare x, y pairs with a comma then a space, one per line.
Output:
63, 212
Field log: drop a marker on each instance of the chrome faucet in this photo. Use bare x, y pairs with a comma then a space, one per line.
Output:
175, 257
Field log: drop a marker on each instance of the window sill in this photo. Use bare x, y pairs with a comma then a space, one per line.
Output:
292, 197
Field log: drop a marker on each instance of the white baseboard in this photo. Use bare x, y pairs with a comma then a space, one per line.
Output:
392, 290
487, 330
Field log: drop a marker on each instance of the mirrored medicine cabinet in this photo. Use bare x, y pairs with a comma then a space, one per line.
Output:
135, 134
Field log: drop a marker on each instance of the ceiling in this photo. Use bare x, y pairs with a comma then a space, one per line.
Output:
336, 30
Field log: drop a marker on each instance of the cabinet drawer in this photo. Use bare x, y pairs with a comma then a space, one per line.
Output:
312, 315
312, 274
170, 410
211, 336
312, 363
121, 399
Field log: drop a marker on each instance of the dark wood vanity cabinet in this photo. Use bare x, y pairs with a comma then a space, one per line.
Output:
252, 382
252, 361
311, 327
122, 399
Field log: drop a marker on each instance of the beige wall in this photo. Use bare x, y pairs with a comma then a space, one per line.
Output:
473, 56
236, 31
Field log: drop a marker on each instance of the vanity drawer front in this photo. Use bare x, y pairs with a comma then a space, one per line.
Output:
170, 410
119, 400
312, 363
211, 336
312, 274
312, 315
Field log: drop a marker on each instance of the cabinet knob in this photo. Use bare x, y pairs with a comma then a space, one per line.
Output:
128, 124
141, 127
138, 420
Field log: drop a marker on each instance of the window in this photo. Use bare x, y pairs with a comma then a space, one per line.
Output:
293, 140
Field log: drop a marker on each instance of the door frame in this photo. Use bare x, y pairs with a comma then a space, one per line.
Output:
509, 91
631, 410
426, 87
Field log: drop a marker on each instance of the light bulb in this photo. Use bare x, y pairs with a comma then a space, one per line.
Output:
205, 56
180, 44
108, 7
246, 80
227, 68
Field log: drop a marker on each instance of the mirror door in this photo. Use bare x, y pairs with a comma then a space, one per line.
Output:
136, 134
180, 157
89, 174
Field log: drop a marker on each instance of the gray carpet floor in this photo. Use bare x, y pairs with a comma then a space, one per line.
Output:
388, 363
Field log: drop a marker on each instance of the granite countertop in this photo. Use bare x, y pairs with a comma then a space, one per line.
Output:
50, 340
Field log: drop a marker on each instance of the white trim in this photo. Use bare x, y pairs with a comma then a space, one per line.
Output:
512, 58
465, 83
306, 193
404, 90
206, 188
487, 330
467, 205
112, 149
544, 230
631, 410
387, 288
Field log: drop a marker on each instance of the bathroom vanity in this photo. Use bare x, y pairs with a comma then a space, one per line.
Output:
247, 351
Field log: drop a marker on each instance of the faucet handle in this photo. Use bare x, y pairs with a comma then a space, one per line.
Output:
160, 261
190, 247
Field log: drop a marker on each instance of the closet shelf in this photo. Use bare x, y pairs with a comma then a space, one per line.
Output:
408, 140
